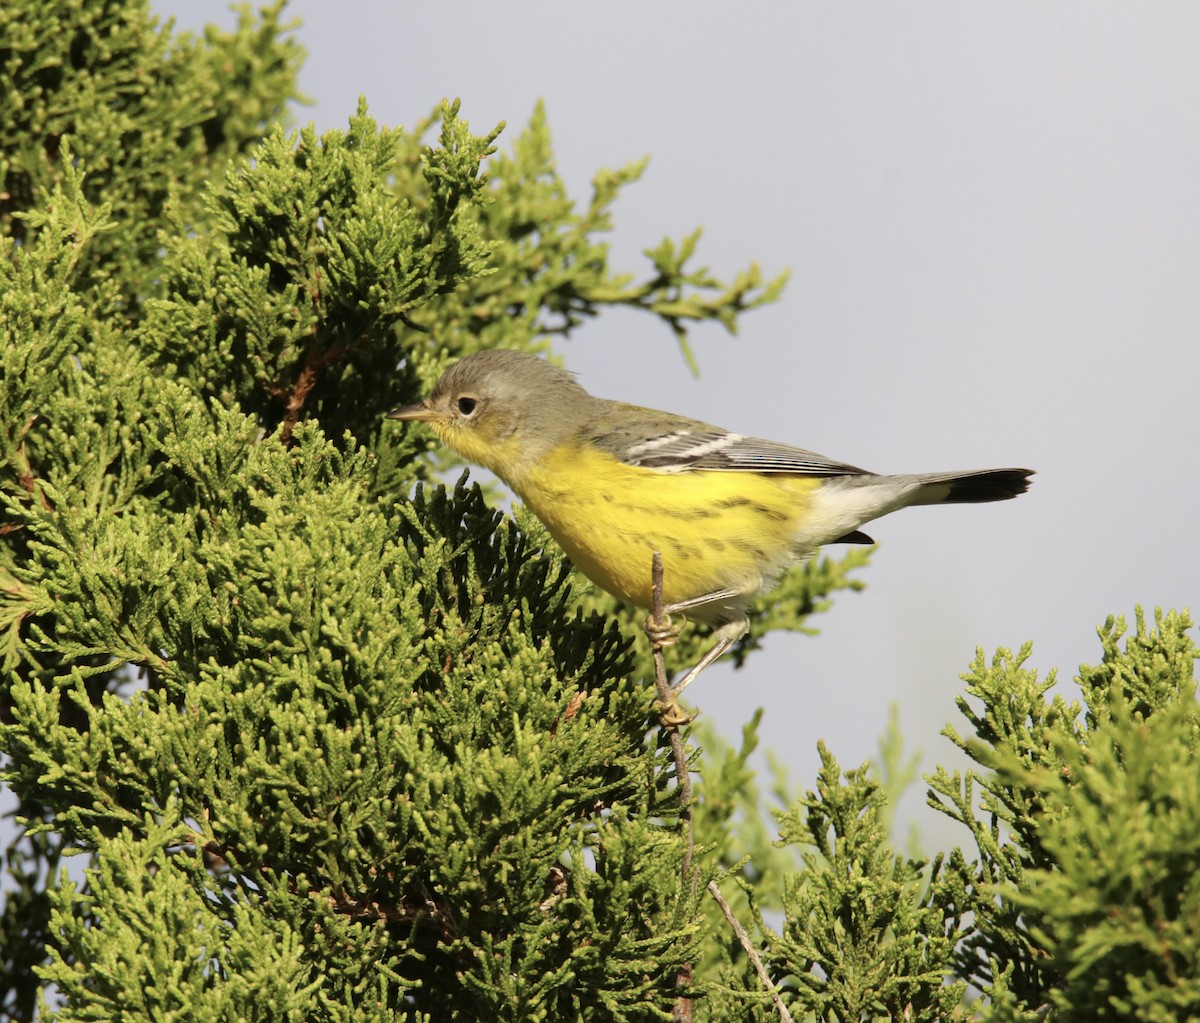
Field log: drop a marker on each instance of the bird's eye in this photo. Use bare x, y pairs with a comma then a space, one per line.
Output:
467, 405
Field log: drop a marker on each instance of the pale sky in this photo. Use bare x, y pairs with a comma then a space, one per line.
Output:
991, 212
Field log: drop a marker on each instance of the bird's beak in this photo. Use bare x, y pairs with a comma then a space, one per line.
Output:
420, 411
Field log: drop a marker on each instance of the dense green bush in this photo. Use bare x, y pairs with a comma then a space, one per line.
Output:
335, 742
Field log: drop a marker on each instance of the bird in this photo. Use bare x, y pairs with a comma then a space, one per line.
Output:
614, 483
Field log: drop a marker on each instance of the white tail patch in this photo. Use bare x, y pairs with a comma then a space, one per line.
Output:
843, 504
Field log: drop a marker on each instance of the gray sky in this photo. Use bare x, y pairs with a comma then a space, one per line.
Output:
992, 217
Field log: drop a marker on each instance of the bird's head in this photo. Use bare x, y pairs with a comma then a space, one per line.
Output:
500, 409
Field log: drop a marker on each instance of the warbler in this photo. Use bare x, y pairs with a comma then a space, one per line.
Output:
614, 482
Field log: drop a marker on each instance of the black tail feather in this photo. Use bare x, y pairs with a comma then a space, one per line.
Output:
985, 485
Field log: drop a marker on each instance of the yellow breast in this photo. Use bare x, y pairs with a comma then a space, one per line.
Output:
715, 530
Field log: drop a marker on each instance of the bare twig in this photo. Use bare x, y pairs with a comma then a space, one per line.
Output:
751, 952
683, 778
314, 365
658, 629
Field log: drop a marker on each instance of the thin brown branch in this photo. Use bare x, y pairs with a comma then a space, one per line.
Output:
751, 952
27, 477
314, 365
658, 628
416, 905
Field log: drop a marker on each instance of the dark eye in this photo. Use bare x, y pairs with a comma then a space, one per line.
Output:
467, 405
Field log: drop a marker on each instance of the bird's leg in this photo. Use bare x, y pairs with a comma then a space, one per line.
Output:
704, 598
716, 650
663, 632
727, 634
671, 713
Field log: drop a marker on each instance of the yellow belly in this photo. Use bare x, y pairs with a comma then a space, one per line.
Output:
715, 530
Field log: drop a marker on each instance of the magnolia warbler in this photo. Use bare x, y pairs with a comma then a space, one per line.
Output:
614, 482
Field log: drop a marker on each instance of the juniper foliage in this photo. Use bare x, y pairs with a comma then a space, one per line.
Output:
321, 738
